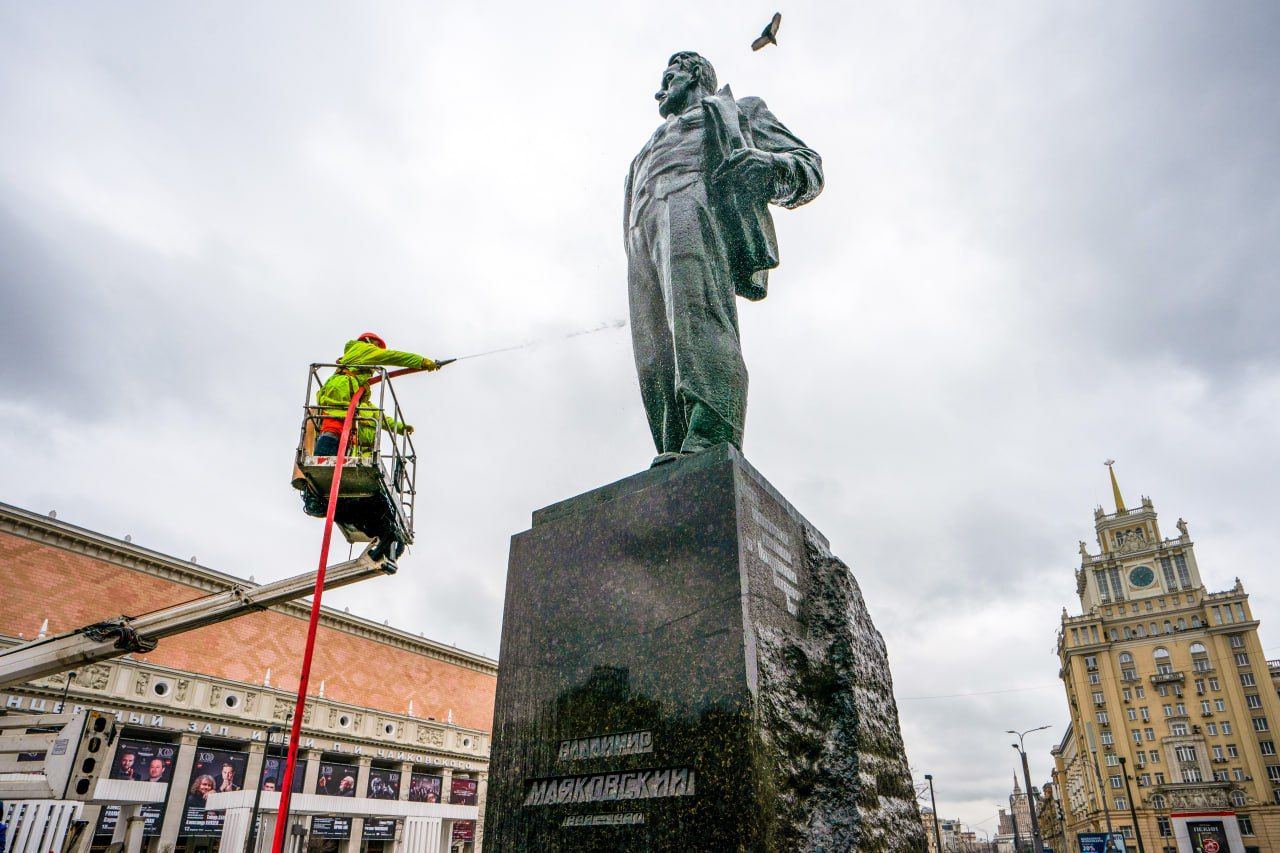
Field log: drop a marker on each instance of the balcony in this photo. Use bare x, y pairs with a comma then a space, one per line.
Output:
1168, 678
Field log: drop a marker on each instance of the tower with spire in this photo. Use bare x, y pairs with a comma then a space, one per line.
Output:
1167, 683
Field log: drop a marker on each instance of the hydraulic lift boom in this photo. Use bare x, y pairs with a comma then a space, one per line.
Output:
124, 634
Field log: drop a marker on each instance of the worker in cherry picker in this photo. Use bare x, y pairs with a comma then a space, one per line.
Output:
373, 516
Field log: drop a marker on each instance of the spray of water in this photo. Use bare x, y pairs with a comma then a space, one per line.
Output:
612, 324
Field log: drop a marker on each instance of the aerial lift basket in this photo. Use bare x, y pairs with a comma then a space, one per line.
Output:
385, 469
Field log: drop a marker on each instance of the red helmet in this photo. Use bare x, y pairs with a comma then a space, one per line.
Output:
373, 338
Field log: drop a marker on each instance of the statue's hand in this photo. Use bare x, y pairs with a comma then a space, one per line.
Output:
748, 169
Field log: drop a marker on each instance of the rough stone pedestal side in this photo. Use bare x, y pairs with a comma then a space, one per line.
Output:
685, 666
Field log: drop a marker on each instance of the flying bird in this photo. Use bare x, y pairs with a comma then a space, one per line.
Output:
770, 33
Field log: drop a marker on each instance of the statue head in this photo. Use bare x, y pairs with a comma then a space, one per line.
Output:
688, 76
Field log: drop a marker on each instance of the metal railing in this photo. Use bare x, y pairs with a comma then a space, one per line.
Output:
392, 452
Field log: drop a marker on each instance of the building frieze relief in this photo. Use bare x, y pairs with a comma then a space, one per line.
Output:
207, 705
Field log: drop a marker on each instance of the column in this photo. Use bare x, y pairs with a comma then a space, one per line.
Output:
446, 793
134, 822
253, 770
406, 778
362, 785
176, 802
312, 773
235, 829
423, 835
482, 793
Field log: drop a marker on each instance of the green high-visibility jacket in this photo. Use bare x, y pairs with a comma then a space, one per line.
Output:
335, 395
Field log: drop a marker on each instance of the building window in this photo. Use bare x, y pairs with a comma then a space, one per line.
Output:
1267, 747
1253, 700
1116, 781
1150, 733
1205, 708
1107, 739
1236, 641
1240, 612
1245, 822
1242, 658
1184, 576
1146, 714
1103, 719
1211, 728
1178, 729
1217, 753
1094, 678
1113, 760
1232, 751
1238, 799
1132, 714
1162, 823
1185, 753
1191, 774
1213, 684
1273, 772
1226, 728
1140, 692
1168, 710
1220, 704
1155, 759
1137, 736
1097, 698
1246, 680
1260, 724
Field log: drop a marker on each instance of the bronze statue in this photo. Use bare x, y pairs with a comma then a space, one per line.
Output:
697, 232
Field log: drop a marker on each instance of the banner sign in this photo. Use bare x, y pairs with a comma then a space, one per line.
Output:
464, 792
1207, 836
425, 788
337, 780
214, 771
383, 784
330, 827
273, 774
140, 761
464, 830
1096, 842
379, 828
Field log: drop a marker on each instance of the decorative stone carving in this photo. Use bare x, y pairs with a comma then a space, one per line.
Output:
215, 693
95, 677
1081, 582
141, 682
280, 712
430, 736
307, 713
180, 692
1133, 539
250, 701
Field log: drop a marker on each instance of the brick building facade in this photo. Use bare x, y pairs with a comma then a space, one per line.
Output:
384, 701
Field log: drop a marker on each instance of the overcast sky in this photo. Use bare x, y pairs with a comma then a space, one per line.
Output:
1049, 236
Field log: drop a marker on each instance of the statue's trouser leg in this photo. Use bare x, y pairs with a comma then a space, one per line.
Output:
711, 378
651, 334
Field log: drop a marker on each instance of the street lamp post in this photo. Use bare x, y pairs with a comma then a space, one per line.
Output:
1036, 841
937, 833
1133, 811
251, 843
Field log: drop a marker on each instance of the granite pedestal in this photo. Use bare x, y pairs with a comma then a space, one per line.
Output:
685, 666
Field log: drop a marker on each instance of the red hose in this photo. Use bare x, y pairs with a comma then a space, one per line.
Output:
295, 729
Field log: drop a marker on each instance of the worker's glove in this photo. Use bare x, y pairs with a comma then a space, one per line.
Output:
430, 364
408, 429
